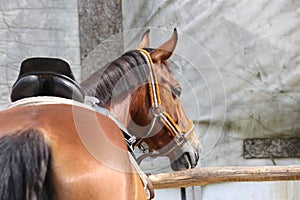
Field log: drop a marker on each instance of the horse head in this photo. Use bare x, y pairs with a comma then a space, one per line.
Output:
141, 91
169, 131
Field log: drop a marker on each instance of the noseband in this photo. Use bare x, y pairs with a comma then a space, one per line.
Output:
158, 112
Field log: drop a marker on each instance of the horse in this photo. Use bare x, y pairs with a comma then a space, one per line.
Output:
139, 89
59, 148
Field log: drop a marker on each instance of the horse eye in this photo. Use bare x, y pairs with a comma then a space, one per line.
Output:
176, 91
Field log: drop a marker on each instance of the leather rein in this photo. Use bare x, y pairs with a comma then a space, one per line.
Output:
158, 113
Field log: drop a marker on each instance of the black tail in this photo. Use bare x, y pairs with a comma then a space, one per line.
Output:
24, 166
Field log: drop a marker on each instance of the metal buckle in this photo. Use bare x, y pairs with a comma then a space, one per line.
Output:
132, 140
143, 147
179, 139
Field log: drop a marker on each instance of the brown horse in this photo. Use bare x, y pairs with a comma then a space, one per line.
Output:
140, 90
64, 150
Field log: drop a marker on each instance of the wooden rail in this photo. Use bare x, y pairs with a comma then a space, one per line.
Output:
208, 175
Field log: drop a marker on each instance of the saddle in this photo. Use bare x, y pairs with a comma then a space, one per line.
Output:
46, 77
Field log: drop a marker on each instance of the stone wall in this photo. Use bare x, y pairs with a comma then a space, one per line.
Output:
100, 27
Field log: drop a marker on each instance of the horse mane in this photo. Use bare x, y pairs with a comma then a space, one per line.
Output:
121, 75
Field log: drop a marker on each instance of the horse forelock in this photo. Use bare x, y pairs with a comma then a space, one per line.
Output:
120, 76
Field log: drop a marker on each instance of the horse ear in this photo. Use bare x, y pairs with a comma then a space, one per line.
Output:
145, 40
166, 50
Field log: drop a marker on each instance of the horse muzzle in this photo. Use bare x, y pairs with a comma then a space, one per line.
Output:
186, 156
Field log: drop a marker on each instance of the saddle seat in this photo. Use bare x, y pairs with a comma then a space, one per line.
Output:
46, 77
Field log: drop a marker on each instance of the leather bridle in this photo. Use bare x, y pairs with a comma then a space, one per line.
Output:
158, 113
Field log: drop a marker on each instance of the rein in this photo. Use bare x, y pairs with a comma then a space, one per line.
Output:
158, 112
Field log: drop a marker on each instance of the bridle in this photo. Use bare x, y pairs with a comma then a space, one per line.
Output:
158, 113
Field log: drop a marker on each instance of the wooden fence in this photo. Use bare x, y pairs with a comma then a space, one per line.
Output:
208, 175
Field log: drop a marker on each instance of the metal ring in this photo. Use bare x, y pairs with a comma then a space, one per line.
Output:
156, 111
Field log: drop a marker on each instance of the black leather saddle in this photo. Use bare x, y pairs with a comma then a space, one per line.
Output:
46, 77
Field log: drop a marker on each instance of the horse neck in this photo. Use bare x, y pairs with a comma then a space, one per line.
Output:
132, 110
101, 84
120, 109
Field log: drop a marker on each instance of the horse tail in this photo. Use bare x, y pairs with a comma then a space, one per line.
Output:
25, 166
